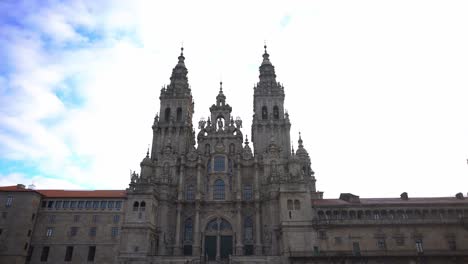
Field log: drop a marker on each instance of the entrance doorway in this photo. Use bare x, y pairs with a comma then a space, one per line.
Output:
218, 239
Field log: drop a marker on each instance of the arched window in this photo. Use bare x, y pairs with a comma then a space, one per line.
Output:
218, 190
188, 230
297, 205
190, 193
264, 113
179, 114
224, 225
135, 206
290, 205
142, 206
248, 230
219, 164
167, 114
275, 112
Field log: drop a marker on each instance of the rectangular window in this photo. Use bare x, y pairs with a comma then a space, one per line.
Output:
80, 204
45, 254
49, 231
118, 205
29, 233
9, 201
356, 249
116, 218
58, 204
381, 244
1, 231
219, 164
92, 231
73, 231
103, 204
69, 253
43, 204
66, 204
72, 204
316, 251
248, 192
95, 204
91, 253
115, 231
419, 246
88, 204
110, 204
52, 219
50, 204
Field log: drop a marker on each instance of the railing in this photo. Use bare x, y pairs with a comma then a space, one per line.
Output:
383, 221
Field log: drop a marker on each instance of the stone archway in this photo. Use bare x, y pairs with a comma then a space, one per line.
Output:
218, 239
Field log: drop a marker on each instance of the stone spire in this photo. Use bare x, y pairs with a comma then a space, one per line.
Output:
179, 80
267, 70
301, 151
221, 98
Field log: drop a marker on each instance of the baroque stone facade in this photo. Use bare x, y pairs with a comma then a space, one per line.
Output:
207, 197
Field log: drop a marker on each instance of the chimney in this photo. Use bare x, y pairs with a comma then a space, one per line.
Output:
349, 197
404, 196
459, 196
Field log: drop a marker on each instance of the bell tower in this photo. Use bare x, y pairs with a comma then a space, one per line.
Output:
174, 124
270, 121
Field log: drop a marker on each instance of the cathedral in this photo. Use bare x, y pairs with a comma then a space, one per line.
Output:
211, 195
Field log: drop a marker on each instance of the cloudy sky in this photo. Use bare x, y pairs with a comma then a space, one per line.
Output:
378, 89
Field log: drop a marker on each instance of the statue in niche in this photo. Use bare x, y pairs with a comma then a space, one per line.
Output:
201, 124
238, 123
166, 169
220, 124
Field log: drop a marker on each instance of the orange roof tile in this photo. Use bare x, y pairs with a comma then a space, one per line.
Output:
69, 193
14, 188
83, 193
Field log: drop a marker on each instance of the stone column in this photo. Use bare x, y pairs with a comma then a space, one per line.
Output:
239, 179
198, 191
239, 246
163, 224
258, 242
218, 243
177, 247
196, 235
256, 184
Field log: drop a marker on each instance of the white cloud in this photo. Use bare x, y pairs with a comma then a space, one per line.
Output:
376, 89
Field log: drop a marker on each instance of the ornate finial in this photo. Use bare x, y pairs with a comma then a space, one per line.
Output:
147, 152
246, 140
221, 86
265, 46
300, 140
182, 50
292, 148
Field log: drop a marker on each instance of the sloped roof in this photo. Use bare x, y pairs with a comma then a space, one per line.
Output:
83, 193
69, 193
392, 201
